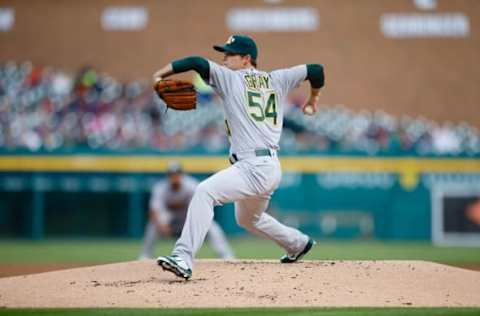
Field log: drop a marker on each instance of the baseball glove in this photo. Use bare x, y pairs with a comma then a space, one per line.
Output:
178, 94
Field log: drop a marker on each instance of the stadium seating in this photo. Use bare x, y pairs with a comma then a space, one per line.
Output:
46, 109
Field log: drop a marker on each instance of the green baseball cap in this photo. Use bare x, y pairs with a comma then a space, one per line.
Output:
239, 44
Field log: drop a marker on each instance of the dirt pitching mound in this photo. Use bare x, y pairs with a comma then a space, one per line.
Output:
248, 284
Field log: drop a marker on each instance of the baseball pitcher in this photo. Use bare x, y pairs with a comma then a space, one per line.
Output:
253, 102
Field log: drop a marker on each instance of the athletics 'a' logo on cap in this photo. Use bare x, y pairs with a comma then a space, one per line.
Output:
230, 40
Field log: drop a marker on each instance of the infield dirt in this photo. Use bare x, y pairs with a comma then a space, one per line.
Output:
248, 284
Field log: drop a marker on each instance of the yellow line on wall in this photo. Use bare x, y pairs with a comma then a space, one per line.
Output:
207, 164
86, 163
409, 169
364, 164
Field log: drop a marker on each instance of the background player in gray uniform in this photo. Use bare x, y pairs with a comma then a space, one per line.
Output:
253, 101
168, 209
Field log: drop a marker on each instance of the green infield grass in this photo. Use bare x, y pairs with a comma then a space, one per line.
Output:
112, 250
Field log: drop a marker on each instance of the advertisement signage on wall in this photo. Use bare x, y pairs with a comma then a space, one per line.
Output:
272, 19
125, 18
7, 19
425, 25
456, 214
395, 25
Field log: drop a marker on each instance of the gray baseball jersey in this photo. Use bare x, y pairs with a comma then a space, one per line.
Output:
170, 204
254, 102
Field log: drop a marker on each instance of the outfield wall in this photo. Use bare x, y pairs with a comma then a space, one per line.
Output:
338, 197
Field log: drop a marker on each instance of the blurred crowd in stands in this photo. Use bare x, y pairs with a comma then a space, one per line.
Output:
46, 109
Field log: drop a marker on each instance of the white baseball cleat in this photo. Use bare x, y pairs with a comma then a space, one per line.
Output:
176, 265
291, 258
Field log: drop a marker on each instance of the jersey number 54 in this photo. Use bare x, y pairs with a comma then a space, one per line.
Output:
262, 105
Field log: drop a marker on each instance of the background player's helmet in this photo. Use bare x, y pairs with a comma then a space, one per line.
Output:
174, 167
239, 44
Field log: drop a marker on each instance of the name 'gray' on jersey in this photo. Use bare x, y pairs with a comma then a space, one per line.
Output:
254, 101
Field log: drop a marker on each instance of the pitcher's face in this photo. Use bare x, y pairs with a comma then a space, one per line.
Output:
236, 61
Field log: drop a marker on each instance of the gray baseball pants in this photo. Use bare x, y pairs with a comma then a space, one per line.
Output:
249, 183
